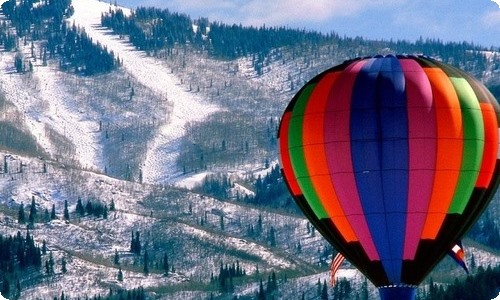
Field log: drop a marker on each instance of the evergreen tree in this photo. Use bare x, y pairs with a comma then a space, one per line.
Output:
165, 263
272, 237
49, 265
116, 258
135, 244
324, 291
46, 215
120, 274
5, 286
79, 207
33, 211
146, 262
66, 211
261, 295
19, 62
21, 217
63, 266
105, 212
53, 212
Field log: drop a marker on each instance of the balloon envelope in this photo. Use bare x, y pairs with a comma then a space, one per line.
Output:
392, 158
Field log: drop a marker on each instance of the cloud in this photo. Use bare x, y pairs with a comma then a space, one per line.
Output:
288, 11
491, 19
497, 2
272, 12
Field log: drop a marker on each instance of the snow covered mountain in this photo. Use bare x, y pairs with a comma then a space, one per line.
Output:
136, 141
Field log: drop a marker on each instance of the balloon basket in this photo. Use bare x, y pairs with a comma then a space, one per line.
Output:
397, 292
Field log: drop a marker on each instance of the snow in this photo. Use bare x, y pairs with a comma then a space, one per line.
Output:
45, 105
152, 73
189, 182
2, 298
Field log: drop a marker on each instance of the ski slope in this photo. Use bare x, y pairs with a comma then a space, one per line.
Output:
187, 107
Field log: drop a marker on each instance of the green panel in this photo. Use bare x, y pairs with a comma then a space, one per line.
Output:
297, 153
473, 144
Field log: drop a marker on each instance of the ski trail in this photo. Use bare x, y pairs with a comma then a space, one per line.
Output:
46, 106
159, 164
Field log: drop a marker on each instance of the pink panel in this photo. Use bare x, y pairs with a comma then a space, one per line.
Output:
422, 146
338, 150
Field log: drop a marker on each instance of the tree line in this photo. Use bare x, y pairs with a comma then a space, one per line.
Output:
45, 23
482, 285
152, 29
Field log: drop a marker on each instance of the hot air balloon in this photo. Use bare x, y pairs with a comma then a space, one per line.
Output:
392, 159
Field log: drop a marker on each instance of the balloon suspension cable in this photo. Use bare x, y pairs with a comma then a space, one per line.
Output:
398, 292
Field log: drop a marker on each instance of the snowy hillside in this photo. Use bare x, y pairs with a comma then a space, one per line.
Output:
126, 152
47, 104
186, 107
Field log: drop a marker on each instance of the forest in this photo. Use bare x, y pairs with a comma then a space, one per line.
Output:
153, 29
75, 51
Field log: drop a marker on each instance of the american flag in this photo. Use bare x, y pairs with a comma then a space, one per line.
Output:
458, 254
336, 263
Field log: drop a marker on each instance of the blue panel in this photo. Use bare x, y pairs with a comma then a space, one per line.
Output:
395, 160
379, 145
397, 293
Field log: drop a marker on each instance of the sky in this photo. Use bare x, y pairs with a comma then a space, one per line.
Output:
476, 21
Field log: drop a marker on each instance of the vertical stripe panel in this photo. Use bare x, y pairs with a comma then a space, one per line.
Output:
315, 156
473, 144
490, 146
449, 150
284, 155
338, 151
295, 138
422, 146
379, 135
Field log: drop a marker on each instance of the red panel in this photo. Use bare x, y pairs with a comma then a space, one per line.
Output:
315, 156
490, 145
286, 164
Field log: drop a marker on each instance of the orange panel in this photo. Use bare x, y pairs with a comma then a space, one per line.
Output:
315, 156
449, 150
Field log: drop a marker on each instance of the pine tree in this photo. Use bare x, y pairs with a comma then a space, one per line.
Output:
21, 217
53, 212
66, 211
272, 237
49, 264
33, 211
165, 263
63, 266
116, 258
105, 212
146, 262
46, 215
79, 207
324, 291
120, 274
258, 228
5, 286
261, 295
